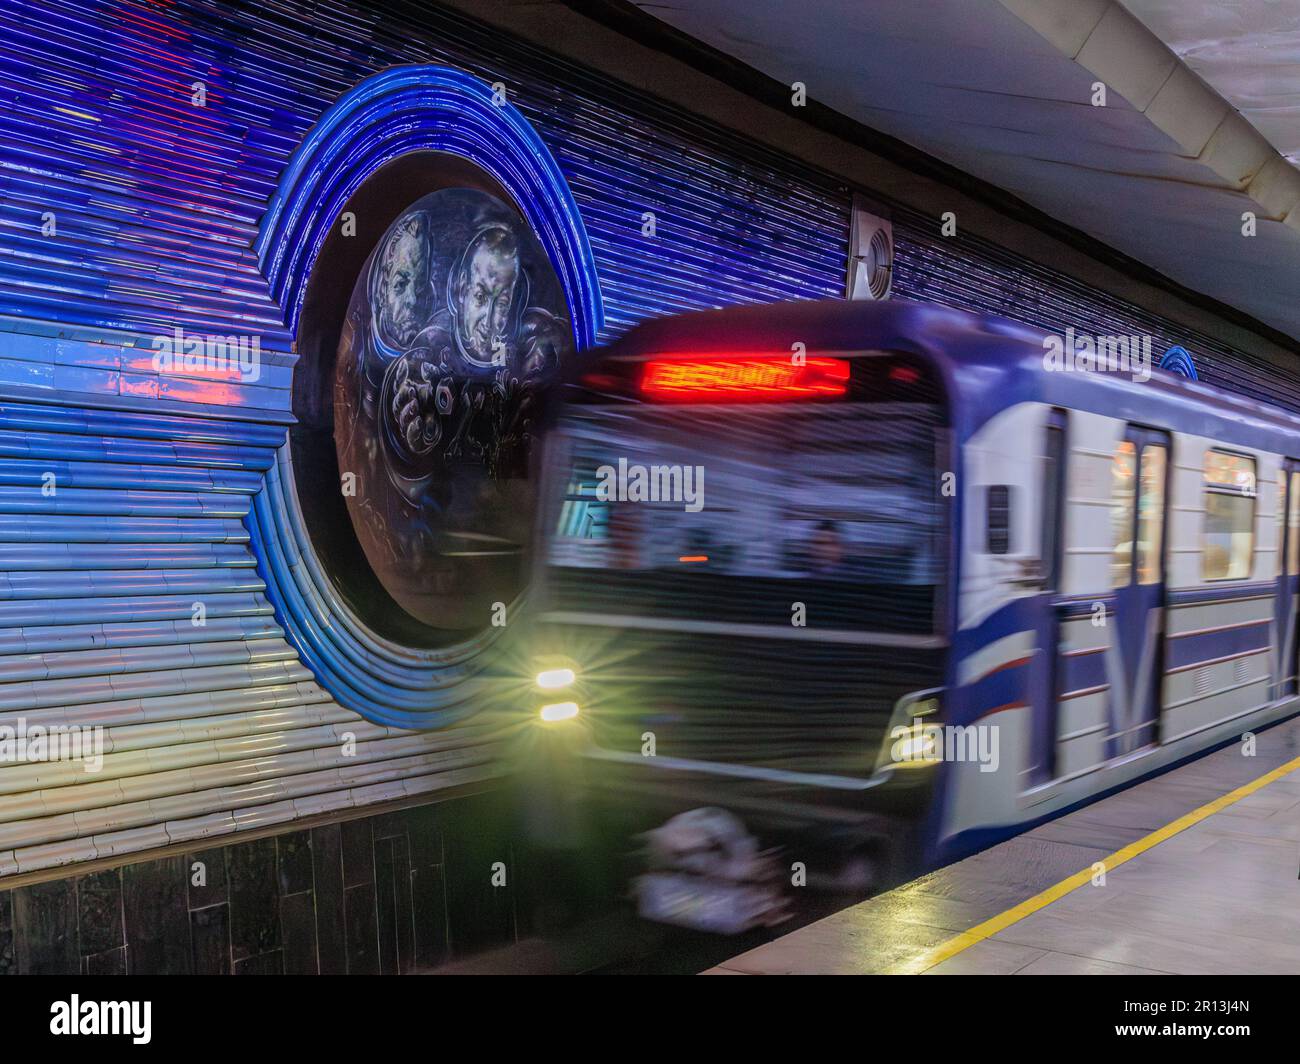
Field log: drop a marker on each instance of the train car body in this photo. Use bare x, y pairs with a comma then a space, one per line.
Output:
939, 586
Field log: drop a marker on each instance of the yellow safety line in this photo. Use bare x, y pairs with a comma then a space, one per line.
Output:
980, 932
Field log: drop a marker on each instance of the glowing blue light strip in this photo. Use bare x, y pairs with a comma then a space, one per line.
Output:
1179, 360
422, 108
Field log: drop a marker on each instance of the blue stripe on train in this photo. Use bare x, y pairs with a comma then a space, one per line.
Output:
1006, 687
1194, 648
1081, 670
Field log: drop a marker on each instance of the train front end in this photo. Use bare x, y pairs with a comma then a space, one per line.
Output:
738, 643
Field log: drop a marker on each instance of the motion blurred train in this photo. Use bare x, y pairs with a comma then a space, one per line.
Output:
878, 579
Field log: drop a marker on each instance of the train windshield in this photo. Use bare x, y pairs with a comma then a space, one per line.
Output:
824, 516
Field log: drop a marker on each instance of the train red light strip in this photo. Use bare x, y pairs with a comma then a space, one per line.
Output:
744, 380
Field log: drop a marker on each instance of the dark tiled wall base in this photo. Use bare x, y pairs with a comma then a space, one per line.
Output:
387, 894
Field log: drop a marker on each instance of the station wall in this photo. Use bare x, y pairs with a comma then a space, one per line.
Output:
390, 894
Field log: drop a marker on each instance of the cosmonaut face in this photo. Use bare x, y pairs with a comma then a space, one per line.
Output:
403, 269
487, 293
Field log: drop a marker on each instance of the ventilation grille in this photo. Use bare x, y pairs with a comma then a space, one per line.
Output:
871, 255
1202, 681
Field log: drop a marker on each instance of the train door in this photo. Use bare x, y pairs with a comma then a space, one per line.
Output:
1139, 585
1050, 551
1288, 577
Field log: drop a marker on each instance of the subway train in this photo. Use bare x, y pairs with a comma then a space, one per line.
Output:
868, 586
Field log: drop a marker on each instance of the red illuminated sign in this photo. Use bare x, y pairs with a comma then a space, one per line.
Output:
744, 380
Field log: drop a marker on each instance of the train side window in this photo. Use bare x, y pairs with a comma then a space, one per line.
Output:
1123, 473
997, 506
1151, 515
1228, 538
1293, 522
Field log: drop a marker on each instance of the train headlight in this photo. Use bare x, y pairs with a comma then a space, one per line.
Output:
557, 711
916, 744
554, 679
914, 738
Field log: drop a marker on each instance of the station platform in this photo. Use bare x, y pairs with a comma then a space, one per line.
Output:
1200, 877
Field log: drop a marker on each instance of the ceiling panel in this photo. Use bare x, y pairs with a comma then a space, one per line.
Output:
968, 82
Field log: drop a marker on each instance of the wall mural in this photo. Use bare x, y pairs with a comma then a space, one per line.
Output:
455, 326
